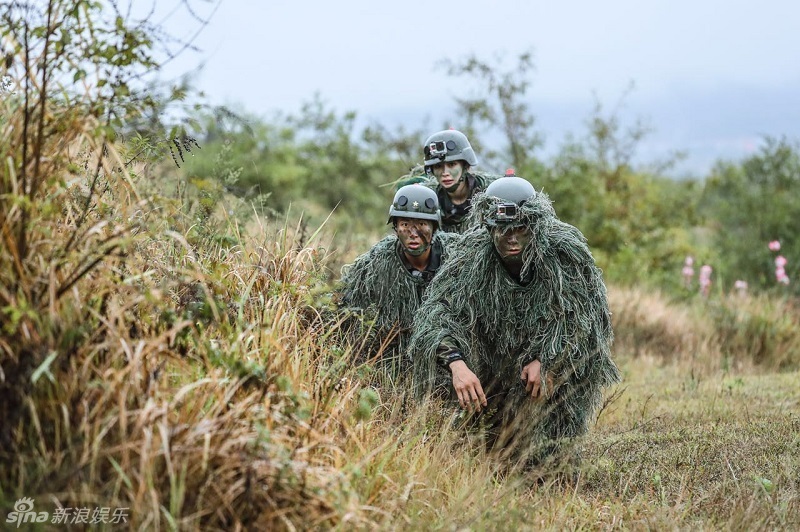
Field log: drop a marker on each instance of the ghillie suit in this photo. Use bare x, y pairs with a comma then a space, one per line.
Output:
415, 176
557, 313
380, 289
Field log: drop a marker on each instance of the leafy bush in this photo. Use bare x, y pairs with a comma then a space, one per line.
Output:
751, 203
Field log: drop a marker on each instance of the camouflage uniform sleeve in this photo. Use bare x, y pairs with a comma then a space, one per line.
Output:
527, 356
447, 352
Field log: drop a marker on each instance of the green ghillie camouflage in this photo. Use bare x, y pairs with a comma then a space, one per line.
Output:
560, 317
379, 286
454, 217
415, 175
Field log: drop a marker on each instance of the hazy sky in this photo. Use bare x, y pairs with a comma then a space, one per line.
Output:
712, 77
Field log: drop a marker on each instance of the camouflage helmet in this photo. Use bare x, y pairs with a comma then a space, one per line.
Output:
416, 201
511, 192
448, 145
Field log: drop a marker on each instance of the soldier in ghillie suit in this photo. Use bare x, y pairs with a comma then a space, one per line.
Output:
517, 327
448, 158
386, 283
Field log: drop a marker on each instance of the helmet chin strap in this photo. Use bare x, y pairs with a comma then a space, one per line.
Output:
452, 188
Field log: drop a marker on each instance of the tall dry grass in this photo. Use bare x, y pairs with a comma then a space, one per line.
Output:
203, 385
755, 331
209, 390
147, 363
142, 366
204, 390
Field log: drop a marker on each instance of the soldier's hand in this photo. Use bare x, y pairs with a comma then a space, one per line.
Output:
468, 386
532, 378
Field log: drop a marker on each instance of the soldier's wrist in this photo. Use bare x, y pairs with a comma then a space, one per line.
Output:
452, 356
527, 361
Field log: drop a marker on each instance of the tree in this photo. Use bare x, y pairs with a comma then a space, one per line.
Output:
314, 161
504, 109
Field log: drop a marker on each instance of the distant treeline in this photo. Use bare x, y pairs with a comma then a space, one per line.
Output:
640, 224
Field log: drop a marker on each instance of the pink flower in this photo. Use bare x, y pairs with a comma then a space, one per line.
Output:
774, 245
780, 261
741, 287
705, 279
688, 271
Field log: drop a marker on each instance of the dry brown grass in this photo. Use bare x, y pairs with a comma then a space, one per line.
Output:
206, 389
646, 324
706, 335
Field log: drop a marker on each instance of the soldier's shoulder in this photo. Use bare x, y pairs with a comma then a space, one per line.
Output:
412, 180
416, 175
464, 247
448, 239
384, 247
431, 183
483, 179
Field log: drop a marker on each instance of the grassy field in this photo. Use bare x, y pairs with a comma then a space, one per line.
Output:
672, 453
677, 446
682, 450
166, 349
203, 384
190, 368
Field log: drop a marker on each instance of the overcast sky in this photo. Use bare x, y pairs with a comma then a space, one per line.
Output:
712, 77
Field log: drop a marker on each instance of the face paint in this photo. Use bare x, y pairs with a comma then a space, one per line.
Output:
510, 242
415, 235
449, 174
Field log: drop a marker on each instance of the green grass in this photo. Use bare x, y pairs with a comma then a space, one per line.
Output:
719, 451
668, 452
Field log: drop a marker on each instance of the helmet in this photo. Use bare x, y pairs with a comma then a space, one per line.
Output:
415, 201
448, 145
512, 192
